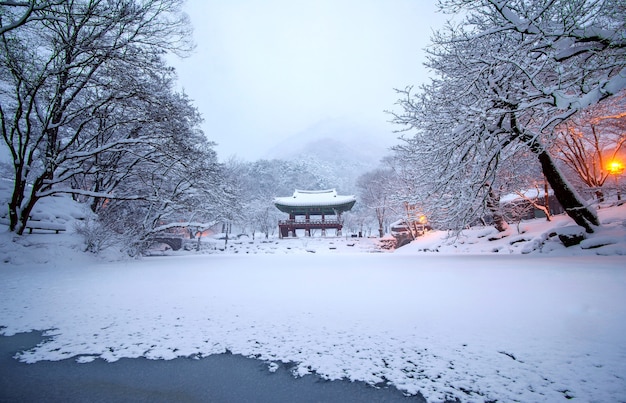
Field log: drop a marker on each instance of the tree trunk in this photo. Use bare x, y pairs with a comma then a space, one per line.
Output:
15, 203
28, 208
546, 199
24, 215
493, 204
566, 195
380, 216
600, 196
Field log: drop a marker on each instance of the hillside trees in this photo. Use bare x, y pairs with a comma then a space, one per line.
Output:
505, 77
375, 188
261, 181
88, 108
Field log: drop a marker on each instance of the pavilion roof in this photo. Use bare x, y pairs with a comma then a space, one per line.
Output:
315, 201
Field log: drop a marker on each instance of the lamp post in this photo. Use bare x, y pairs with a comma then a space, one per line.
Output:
616, 168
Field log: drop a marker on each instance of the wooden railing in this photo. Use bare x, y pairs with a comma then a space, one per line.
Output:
309, 222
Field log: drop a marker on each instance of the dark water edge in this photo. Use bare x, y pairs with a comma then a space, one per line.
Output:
216, 378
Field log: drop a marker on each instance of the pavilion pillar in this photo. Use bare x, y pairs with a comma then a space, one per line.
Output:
338, 232
307, 229
291, 228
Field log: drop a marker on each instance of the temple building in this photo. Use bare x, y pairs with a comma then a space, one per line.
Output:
311, 210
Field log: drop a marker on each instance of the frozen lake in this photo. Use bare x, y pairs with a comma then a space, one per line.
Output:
516, 327
217, 378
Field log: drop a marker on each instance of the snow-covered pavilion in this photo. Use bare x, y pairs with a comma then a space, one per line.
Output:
313, 203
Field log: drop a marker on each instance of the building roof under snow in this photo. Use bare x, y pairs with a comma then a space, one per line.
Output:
315, 202
526, 194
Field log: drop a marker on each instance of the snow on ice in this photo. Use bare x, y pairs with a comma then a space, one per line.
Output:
515, 318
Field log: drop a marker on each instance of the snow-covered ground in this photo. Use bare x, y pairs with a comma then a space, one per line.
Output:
517, 318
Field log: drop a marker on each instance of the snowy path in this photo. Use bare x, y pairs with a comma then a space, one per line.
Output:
512, 328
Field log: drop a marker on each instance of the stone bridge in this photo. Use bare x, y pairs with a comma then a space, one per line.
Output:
173, 242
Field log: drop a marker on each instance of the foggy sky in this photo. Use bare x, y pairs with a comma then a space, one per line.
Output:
264, 70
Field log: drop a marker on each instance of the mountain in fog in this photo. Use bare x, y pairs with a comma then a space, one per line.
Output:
337, 151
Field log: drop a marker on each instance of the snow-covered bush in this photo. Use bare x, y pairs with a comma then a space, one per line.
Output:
96, 236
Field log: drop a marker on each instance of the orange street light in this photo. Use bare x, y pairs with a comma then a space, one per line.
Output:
616, 168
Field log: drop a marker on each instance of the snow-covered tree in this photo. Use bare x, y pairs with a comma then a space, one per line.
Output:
521, 175
589, 141
182, 195
375, 194
14, 14
263, 180
358, 221
64, 74
170, 183
505, 77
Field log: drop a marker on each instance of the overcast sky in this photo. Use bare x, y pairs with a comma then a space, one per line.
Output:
265, 70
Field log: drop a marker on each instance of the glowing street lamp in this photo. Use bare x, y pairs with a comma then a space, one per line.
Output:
616, 168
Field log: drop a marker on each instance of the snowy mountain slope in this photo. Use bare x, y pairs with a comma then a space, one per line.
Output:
336, 149
371, 144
